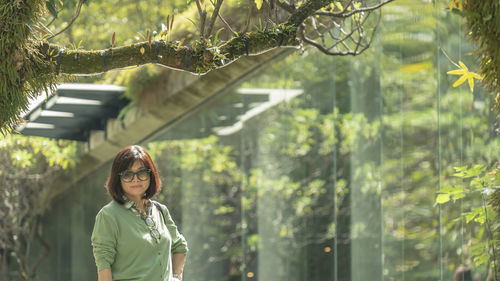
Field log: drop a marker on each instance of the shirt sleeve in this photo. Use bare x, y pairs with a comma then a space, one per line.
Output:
179, 243
104, 237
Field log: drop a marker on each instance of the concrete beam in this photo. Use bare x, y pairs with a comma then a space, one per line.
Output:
185, 95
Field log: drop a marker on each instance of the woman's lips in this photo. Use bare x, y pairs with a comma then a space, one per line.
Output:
136, 186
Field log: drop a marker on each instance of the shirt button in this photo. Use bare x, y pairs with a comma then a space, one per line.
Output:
158, 253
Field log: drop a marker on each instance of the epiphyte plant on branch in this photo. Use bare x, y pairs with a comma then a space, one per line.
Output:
31, 64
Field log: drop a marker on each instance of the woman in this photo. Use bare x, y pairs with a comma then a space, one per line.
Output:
463, 273
135, 238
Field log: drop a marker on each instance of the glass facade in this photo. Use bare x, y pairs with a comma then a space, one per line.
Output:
324, 168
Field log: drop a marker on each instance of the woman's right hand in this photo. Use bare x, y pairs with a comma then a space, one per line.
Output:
105, 275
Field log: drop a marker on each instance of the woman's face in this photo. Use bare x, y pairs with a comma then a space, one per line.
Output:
136, 188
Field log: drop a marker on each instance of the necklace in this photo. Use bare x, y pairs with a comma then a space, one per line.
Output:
146, 216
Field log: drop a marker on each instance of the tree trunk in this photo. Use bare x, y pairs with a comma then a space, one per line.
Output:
4, 268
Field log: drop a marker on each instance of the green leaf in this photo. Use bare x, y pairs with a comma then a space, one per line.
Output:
487, 18
22, 158
442, 198
469, 217
216, 37
458, 196
481, 259
51, 8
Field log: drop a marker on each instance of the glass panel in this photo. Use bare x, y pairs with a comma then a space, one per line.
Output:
327, 168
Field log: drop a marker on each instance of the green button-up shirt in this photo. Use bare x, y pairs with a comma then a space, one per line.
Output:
121, 241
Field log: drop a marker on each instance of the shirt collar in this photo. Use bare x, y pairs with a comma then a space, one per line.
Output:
131, 205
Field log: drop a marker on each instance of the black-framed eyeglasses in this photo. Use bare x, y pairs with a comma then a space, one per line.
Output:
142, 175
152, 228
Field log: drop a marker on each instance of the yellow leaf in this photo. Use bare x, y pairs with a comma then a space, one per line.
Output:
466, 75
142, 50
417, 67
456, 4
471, 83
451, 4
180, 43
456, 72
475, 75
460, 81
463, 66
339, 6
258, 3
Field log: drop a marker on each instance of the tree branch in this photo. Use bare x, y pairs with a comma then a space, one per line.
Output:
249, 17
343, 14
311, 7
286, 6
224, 21
42, 255
168, 54
203, 16
77, 13
227, 24
214, 17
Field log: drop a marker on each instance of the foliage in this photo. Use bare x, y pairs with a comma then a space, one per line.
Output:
484, 30
22, 67
483, 24
29, 168
213, 197
484, 184
494, 202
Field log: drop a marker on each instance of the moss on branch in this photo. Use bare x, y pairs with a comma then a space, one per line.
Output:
198, 59
483, 23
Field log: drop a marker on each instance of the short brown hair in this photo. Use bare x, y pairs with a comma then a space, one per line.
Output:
463, 273
124, 160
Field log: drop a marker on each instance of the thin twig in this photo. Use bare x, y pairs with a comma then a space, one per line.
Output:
286, 6
446, 55
227, 24
355, 11
214, 17
52, 21
359, 48
77, 13
249, 16
314, 26
224, 21
42, 255
203, 16
346, 36
490, 236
